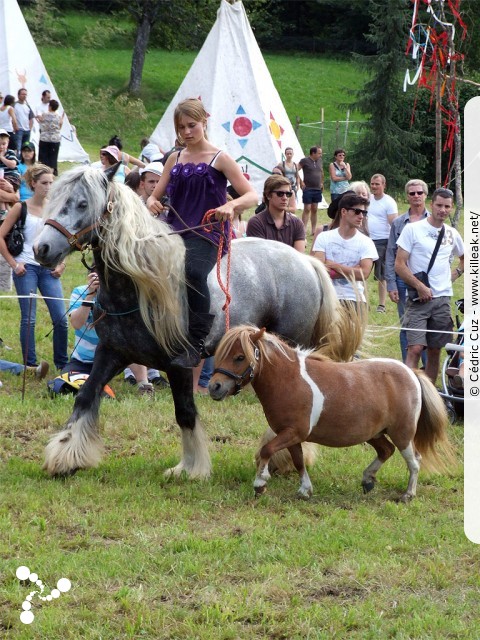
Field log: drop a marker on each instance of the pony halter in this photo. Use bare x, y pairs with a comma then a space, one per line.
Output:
241, 380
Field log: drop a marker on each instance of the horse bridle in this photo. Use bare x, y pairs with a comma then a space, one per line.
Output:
74, 238
244, 378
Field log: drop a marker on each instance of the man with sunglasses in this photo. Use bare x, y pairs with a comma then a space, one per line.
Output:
347, 252
416, 192
428, 317
276, 222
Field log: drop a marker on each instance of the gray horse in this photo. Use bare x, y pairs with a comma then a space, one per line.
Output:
140, 308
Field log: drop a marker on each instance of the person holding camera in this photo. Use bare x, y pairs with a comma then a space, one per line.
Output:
428, 317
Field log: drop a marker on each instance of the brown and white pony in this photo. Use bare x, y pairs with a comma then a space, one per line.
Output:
307, 397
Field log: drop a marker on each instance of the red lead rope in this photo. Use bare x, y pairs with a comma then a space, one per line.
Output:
209, 217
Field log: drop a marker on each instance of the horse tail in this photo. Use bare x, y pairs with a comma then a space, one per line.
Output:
431, 438
339, 329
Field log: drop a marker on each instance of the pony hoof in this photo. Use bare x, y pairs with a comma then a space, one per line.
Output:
304, 495
259, 491
368, 486
406, 498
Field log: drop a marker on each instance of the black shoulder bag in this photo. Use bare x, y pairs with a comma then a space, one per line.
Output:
15, 238
423, 275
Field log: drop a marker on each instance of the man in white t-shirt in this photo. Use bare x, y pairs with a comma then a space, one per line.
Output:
24, 116
346, 251
428, 318
381, 213
43, 106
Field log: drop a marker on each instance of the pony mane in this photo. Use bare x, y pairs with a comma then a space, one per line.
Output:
134, 243
267, 344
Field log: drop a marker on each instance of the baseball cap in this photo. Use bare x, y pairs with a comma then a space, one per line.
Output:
153, 167
28, 145
4, 132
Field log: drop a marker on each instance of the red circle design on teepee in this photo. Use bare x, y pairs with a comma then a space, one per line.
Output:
242, 126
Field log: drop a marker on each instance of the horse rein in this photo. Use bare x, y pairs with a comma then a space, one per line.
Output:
241, 380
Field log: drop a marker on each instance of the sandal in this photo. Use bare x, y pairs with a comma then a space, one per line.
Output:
381, 308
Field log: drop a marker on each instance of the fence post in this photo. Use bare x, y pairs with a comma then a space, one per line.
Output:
321, 126
346, 129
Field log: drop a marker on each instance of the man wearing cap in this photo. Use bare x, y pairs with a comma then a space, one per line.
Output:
428, 317
149, 176
8, 164
24, 116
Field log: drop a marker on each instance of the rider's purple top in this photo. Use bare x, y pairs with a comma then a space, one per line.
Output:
193, 190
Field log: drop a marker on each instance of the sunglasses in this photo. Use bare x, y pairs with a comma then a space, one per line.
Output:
415, 193
358, 211
280, 194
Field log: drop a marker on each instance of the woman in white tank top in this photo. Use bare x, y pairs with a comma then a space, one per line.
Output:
29, 276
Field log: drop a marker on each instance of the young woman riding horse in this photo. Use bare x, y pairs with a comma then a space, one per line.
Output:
325, 402
195, 179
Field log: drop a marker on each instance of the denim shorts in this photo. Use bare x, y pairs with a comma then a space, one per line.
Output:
312, 196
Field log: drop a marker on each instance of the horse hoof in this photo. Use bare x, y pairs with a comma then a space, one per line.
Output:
304, 495
65, 474
406, 498
175, 472
259, 491
368, 486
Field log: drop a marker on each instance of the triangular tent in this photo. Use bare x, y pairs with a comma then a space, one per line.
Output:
246, 115
22, 66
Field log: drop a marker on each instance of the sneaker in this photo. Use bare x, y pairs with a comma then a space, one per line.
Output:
381, 308
131, 380
42, 370
160, 381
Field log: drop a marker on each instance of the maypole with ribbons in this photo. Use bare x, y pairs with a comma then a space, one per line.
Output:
431, 47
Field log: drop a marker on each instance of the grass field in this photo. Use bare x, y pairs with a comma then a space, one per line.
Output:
161, 559
155, 558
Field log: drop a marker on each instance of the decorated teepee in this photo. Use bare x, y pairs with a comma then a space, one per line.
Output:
22, 66
246, 115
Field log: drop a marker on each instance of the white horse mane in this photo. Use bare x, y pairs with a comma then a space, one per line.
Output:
134, 243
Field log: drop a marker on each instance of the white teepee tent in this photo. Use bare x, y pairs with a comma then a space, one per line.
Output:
22, 66
246, 115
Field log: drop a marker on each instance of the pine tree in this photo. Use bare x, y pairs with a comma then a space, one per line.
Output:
386, 146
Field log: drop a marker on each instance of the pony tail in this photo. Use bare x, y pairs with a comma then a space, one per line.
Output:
431, 439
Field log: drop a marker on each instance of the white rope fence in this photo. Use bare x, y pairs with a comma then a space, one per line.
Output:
372, 330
